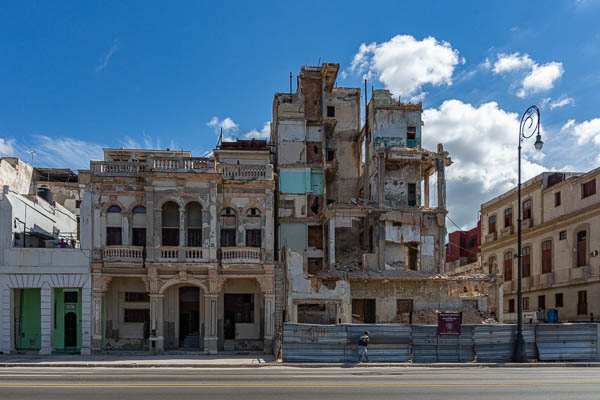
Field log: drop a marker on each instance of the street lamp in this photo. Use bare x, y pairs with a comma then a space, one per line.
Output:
530, 125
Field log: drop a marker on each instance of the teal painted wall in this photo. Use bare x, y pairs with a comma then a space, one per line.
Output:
60, 310
30, 327
316, 181
301, 182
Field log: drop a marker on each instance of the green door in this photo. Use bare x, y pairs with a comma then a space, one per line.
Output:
30, 328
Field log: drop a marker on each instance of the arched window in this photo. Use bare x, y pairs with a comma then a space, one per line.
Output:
228, 227
170, 224
114, 209
253, 212
193, 212
139, 210
138, 229
114, 236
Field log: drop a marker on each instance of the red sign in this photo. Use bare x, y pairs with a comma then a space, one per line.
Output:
449, 323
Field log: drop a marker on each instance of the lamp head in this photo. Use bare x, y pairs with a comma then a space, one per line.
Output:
538, 142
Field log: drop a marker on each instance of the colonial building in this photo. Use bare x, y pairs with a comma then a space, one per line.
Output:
45, 282
561, 241
360, 238
182, 249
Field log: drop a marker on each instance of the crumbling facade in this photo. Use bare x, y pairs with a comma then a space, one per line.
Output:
360, 238
561, 244
182, 249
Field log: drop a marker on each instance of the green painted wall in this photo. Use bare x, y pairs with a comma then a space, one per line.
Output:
30, 327
60, 311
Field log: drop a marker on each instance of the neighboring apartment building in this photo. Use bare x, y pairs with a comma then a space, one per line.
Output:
561, 241
360, 240
183, 249
463, 252
45, 285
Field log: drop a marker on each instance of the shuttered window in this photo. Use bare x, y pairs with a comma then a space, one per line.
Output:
491, 265
581, 248
527, 209
546, 256
526, 263
508, 219
492, 224
588, 189
508, 266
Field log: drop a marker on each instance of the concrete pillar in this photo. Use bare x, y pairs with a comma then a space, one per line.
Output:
182, 238
332, 243
150, 218
210, 323
441, 177
500, 305
7, 318
46, 319
426, 183
126, 230
157, 316
86, 322
97, 320
381, 253
381, 178
269, 325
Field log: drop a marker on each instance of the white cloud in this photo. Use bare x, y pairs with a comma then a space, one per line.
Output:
541, 78
587, 131
113, 49
486, 64
562, 101
482, 142
65, 152
512, 62
404, 65
226, 124
7, 148
264, 133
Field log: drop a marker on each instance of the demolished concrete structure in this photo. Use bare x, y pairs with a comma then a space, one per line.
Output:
359, 237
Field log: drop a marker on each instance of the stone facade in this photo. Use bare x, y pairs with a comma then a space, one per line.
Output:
561, 241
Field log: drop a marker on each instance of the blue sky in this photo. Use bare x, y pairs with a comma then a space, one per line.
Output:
76, 77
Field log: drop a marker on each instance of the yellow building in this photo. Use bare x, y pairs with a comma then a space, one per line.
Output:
561, 244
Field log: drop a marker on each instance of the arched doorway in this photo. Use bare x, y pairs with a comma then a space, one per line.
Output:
189, 317
70, 329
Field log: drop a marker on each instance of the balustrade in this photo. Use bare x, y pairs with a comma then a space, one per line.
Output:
243, 172
125, 253
241, 254
117, 168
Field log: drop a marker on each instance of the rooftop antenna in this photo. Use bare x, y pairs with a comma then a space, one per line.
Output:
319, 63
32, 152
290, 83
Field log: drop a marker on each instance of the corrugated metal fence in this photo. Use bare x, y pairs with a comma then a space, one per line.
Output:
420, 343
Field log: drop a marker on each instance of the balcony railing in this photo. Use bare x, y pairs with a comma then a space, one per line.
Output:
193, 164
185, 254
246, 172
123, 253
117, 168
241, 255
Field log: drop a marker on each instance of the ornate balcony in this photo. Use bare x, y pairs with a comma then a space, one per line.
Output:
123, 253
185, 254
241, 255
198, 164
117, 168
246, 172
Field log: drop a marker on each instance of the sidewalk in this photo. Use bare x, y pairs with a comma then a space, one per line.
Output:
224, 360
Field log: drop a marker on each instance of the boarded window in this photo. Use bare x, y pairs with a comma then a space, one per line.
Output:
194, 237
581, 248
525, 303
557, 199
404, 309
411, 132
558, 300
546, 256
541, 302
113, 236
137, 315
582, 302
412, 194
492, 265
315, 236
363, 311
508, 219
137, 297
413, 254
138, 236
253, 238
314, 153
588, 189
315, 265
526, 261
228, 238
317, 313
527, 209
331, 111
508, 266
194, 224
511, 305
492, 224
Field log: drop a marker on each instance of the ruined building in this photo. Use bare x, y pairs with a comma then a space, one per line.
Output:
182, 249
359, 235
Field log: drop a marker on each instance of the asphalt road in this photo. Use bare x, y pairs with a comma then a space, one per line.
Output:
283, 383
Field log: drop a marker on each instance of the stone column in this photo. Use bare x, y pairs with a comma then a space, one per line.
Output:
97, 320
441, 177
86, 322
210, 323
182, 238
269, 325
426, 183
332, 243
381, 236
126, 229
46, 319
157, 316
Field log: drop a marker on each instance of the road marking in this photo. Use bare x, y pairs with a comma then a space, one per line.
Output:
291, 385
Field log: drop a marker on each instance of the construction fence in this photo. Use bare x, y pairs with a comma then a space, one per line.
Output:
491, 343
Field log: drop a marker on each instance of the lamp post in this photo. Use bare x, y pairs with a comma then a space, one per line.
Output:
530, 125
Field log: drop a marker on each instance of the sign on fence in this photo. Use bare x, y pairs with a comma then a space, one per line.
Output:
449, 323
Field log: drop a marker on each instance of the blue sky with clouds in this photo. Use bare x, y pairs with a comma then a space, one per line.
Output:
76, 77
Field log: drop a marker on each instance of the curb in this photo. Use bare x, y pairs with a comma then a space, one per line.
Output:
306, 365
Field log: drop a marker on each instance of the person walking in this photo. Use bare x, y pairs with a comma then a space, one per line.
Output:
363, 342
